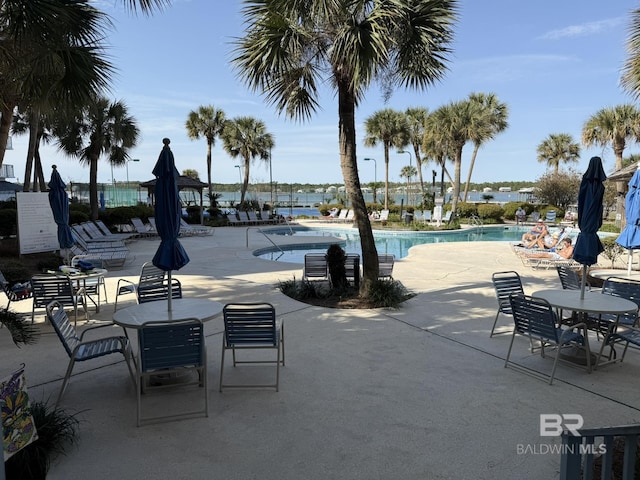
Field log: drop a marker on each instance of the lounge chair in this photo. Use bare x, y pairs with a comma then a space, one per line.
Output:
384, 216
350, 216
253, 218
79, 349
17, 292
113, 236
427, 216
233, 220
551, 217
96, 233
252, 326
342, 216
141, 229
190, 229
533, 217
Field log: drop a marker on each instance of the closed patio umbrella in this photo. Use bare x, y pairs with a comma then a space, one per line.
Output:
588, 245
59, 202
630, 236
170, 255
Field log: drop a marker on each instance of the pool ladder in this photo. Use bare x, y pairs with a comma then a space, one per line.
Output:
476, 222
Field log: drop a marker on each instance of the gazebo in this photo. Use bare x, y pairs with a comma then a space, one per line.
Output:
184, 183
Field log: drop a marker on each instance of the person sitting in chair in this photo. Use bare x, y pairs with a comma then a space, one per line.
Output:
539, 230
521, 215
564, 253
547, 242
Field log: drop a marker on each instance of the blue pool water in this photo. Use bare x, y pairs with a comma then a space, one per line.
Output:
397, 243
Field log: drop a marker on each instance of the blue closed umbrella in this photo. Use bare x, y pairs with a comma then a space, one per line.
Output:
630, 236
59, 202
170, 255
588, 245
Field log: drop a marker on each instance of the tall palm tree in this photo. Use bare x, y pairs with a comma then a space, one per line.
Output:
247, 138
45, 64
455, 128
616, 126
408, 172
558, 148
291, 46
416, 119
101, 128
491, 120
631, 71
207, 122
390, 128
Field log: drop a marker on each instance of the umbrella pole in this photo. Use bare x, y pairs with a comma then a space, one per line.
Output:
583, 281
170, 292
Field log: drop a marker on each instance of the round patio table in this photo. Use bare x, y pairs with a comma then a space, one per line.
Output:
135, 316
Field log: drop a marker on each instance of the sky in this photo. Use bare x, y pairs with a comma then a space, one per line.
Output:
554, 63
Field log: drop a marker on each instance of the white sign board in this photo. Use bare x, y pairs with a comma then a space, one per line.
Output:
37, 230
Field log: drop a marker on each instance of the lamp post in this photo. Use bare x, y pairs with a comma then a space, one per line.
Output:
411, 165
270, 181
239, 174
375, 176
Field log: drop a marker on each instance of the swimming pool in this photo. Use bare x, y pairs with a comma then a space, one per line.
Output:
397, 243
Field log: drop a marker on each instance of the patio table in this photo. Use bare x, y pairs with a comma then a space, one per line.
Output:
135, 316
595, 303
80, 278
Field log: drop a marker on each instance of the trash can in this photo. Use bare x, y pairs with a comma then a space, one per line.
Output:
408, 218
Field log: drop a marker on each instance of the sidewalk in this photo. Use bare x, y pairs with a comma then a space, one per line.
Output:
416, 393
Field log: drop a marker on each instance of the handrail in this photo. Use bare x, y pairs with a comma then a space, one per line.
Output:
476, 221
575, 447
265, 236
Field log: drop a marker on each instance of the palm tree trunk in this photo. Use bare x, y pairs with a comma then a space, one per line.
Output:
386, 176
93, 186
473, 161
349, 165
209, 172
6, 117
245, 182
456, 181
416, 151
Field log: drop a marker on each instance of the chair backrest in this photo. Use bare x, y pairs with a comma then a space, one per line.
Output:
427, 215
62, 326
166, 345
384, 215
534, 316
569, 278
249, 324
534, 217
447, 216
625, 288
47, 288
343, 214
315, 265
80, 232
385, 265
152, 285
504, 284
551, 216
352, 265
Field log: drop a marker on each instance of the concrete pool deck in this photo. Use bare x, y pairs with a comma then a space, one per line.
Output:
415, 393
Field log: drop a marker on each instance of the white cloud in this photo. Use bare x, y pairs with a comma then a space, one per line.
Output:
585, 29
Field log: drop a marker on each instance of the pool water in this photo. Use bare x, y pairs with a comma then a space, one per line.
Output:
397, 243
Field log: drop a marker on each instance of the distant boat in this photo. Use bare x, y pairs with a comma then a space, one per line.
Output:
504, 189
487, 189
526, 190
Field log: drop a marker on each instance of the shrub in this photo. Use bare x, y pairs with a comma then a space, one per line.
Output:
388, 293
15, 271
612, 250
490, 211
610, 227
511, 207
77, 216
466, 210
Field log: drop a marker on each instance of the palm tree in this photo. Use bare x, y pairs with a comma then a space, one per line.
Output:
207, 122
48, 64
631, 71
247, 138
436, 148
291, 45
558, 148
456, 127
388, 127
100, 128
416, 119
491, 120
408, 172
616, 126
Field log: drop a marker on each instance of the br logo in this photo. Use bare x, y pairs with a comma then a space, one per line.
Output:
553, 424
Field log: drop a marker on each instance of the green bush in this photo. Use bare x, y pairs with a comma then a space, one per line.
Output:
610, 227
490, 211
15, 271
511, 207
612, 250
76, 216
388, 293
466, 210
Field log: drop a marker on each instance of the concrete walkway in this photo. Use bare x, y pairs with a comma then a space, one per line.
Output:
415, 393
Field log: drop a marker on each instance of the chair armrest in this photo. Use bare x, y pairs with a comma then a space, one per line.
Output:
110, 324
129, 284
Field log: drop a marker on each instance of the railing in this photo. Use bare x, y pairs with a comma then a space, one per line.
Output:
579, 452
265, 236
476, 221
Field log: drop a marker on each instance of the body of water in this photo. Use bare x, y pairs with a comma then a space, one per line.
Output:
396, 243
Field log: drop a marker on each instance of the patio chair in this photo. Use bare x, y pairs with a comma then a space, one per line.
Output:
80, 350
342, 216
385, 265
315, 267
250, 326
625, 288
535, 319
151, 286
17, 292
352, 268
550, 217
166, 349
504, 284
427, 216
384, 216
569, 278
49, 288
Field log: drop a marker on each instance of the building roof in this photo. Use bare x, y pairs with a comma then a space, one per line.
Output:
624, 174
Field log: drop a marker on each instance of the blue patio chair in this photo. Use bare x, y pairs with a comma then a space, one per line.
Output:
504, 284
80, 350
152, 286
385, 265
166, 349
315, 267
250, 326
47, 288
535, 319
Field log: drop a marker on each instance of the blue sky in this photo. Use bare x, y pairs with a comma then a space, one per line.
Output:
555, 63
